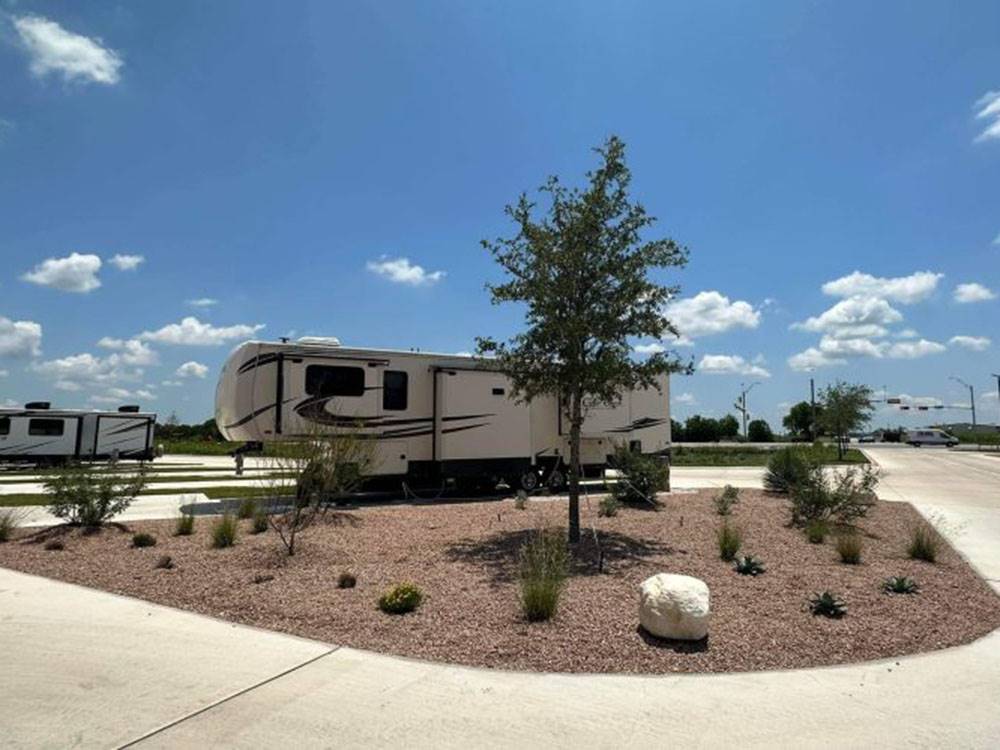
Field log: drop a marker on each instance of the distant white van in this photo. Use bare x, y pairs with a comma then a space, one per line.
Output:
917, 438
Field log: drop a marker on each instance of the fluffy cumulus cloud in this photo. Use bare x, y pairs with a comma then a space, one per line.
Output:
192, 332
74, 273
653, 348
813, 358
906, 290
710, 312
854, 317
914, 349
973, 292
127, 362
987, 109
192, 370
20, 338
401, 271
730, 364
832, 351
203, 302
975, 343
53, 49
119, 395
126, 262
685, 398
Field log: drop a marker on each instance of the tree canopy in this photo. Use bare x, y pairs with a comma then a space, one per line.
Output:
799, 420
846, 407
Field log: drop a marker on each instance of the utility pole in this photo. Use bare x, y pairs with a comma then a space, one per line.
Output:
998, 395
972, 398
812, 402
741, 404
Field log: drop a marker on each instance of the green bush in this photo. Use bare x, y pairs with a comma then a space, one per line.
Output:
83, 497
10, 519
900, 585
748, 565
849, 546
260, 523
346, 581
827, 605
725, 501
843, 498
165, 562
224, 531
521, 500
608, 506
640, 477
923, 544
185, 524
729, 540
246, 509
786, 468
544, 565
816, 531
55, 545
143, 540
400, 599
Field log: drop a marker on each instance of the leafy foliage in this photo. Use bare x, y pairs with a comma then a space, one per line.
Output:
844, 497
224, 531
816, 531
87, 498
608, 506
699, 429
846, 407
849, 547
828, 605
725, 501
521, 500
260, 522
900, 585
748, 565
759, 431
582, 273
184, 525
799, 421
640, 477
400, 599
923, 544
729, 540
786, 468
247, 508
143, 539
544, 565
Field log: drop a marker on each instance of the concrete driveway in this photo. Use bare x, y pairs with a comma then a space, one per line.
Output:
101, 670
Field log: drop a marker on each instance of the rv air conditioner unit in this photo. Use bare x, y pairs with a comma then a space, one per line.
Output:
39, 405
128, 409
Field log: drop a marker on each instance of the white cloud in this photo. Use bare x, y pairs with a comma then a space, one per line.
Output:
914, 349
837, 348
53, 49
192, 332
172, 383
973, 292
975, 343
133, 351
67, 385
202, 302
126, 262
709, 313
20, 338
855, 317
903, 289
126, 363
118, 395
4, 373
685, 398
988, 108
730, 364
907, 333
401, 271
192, 370
75, 273
653, 348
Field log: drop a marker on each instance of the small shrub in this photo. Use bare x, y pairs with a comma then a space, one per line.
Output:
923, 544
843, 498
262, 578
224, 531
185, 524
247, 508
143, 539
640, 477
748, 565
521, 500
84, 497
544, 565
786, 468
900, 585
55, 545
400, 599
725, 501
849, 546
346, 581
608, 507
827, 605
259, 525
729, 540
816, 531
10, 519
165, 562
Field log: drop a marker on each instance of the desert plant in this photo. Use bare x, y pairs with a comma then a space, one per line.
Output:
608, 506
786, 468
729, 539
247, 508
260, 523
725, 501
224, 531
542, 571
400, 599
849, 546
521, 500
748, 565
346, 581
923, 544
143, 539
184, 525
55, 545
165, 562
640, 477
827, 605
844, 497
84, 497
900, 585
816, 531
10, 519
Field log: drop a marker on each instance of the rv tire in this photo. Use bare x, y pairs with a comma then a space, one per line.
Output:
556, 480
528, 481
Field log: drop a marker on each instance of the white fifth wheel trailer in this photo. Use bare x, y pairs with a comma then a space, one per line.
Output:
40, 434
434, 416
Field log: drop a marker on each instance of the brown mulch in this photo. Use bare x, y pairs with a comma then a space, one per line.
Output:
463, 556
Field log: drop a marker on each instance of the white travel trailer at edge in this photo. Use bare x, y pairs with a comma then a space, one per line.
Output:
40, 434
434, 416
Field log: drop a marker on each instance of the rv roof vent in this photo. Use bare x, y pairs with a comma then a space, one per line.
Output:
128, 409
37, 405
325, 340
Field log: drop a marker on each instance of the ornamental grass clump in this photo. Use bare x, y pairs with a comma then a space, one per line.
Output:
184, 526
246, 509
729, 540
849, 547
725, 501
816, 531
923, 544
259, 525
542, 572
400, 599
10, 519
143, 539
224, 531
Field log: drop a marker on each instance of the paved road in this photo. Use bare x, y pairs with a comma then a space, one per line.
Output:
103, 670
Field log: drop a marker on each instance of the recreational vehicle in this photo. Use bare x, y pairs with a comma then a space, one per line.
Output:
433, 416
40, 434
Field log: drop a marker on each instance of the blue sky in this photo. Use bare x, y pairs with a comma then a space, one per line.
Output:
174, 175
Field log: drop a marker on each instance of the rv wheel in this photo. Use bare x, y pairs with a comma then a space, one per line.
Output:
556, 480
528, 481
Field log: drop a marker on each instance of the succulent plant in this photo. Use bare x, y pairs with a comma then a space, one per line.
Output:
827, 605
900, 585
748, 565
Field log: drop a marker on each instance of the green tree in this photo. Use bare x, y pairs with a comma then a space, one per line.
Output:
699, 429
582, 274
677, 432
759, 431
799, 421
846, 407
729, 427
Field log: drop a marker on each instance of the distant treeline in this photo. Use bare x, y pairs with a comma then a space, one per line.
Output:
699, 429
172, 430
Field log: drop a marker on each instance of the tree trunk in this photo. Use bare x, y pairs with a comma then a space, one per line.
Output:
575, 424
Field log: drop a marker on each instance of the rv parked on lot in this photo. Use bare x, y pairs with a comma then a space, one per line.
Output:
40, 434
434, 416
918, 438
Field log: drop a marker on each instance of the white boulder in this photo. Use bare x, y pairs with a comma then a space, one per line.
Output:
674, 606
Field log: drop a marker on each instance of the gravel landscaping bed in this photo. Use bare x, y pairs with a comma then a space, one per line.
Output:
464, 557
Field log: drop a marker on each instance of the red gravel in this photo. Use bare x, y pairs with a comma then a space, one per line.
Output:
463, 556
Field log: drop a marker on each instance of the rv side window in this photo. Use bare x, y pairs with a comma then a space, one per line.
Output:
51, 427
323, 380
394, 390
4, 425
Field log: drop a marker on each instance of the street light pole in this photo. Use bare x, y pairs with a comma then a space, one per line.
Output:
998, 395
812, 402
742, 405
972, 399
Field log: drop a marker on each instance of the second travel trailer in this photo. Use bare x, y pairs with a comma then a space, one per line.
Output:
433, 416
